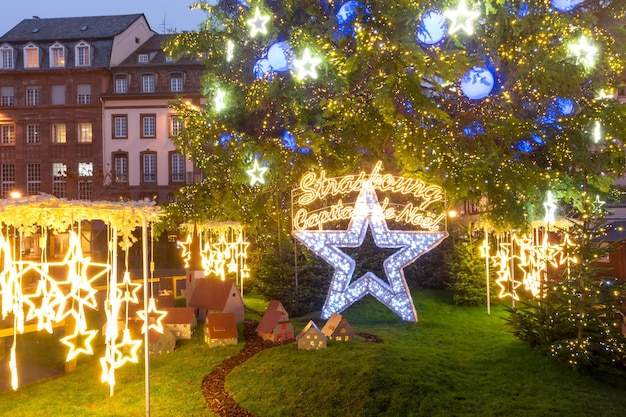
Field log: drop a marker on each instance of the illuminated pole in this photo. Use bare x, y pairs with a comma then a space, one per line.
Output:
486, 246
146, 336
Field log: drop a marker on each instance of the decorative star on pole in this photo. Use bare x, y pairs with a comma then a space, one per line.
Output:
256, 173
368, 214
258, 22
306, 65
584, 51
461, 18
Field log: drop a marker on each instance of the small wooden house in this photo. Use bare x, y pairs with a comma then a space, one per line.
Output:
181, 321
216, 296
337, 328
275, 326
311, 338
277, 305
220, 329
160, 343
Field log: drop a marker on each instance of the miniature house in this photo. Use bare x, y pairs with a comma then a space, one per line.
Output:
181, 321
337, 328
160, 343
311, 338
275, 326
216, 296
165, 301
277, 305
220, 329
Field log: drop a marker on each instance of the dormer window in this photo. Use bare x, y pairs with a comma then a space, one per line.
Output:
6, 57
83, 54
31, 56
57, 56
143, 58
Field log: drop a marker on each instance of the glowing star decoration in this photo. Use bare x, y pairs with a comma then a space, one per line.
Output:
368, 214
256, 173
584, 51
79, 342
152, 318
550, 208
605, 95
462, 18
219, 101
598, 205
258, 22
505, 278
305, 67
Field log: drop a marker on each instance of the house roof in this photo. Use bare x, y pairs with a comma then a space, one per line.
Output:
276, 305
212, 294
310, 327
222, 326
270, 319
179, 315
166, 301
333, 323
615, 231
70, 28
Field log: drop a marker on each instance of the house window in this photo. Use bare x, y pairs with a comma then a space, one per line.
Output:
84, 133
85, 183
7, 179
148, 125
148, 167
32, 96
83, 94
176, 125
59, 133
143, 58
58, 94
33, 134
148, 83
120, 127
57, 56
177, 170
83, 54
33, 179
120, 166
121, 83
7, 134
7, 96
6, 57
31, 56
176, 82
59, 175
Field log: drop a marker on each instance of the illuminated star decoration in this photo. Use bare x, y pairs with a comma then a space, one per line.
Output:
306, 65
258, 22
219, 100
152, 313
584, 51
256, 173
462, 18
79, 341
368, 213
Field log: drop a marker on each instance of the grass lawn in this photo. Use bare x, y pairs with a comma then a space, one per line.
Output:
455, 362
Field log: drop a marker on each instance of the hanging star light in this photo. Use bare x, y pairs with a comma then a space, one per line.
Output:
368, 214
152, 313
584, 51
461, 18
79, 341
305, 67
258, 22
256, 173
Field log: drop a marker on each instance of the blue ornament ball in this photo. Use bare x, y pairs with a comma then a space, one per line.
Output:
432, 28
565, 5
477, 83
347, 12
564, 106
261, 67
280, 56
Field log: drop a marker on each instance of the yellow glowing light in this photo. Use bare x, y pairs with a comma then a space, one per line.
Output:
598, 205
256, 173
461, 18
305, 66
13, 368
219, 101
152, 313
79, 342
130, 289
505, 278
584, 51
186, 250
132, 346
258, 23
604, 95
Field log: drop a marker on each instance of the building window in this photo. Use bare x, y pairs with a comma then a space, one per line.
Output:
176, 125
120, 127
7, 96
6, 57
7, 173
121, 83
83, 54
85, 134
32, 96
148, 125
177, 168
148, 167
143, 58
33, 134
120, 165
59, 133
176, 82
148, 83
57, 56
83, 94
31, 56
58, 94
33, 179
7, 134
85, 182
59, 176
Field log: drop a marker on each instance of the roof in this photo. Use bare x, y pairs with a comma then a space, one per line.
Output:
153, 47
615, 231
70, 28
166, 301
276, 305
311, 326
212, 294
270, 319
333, 323
222, 326
179, 315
